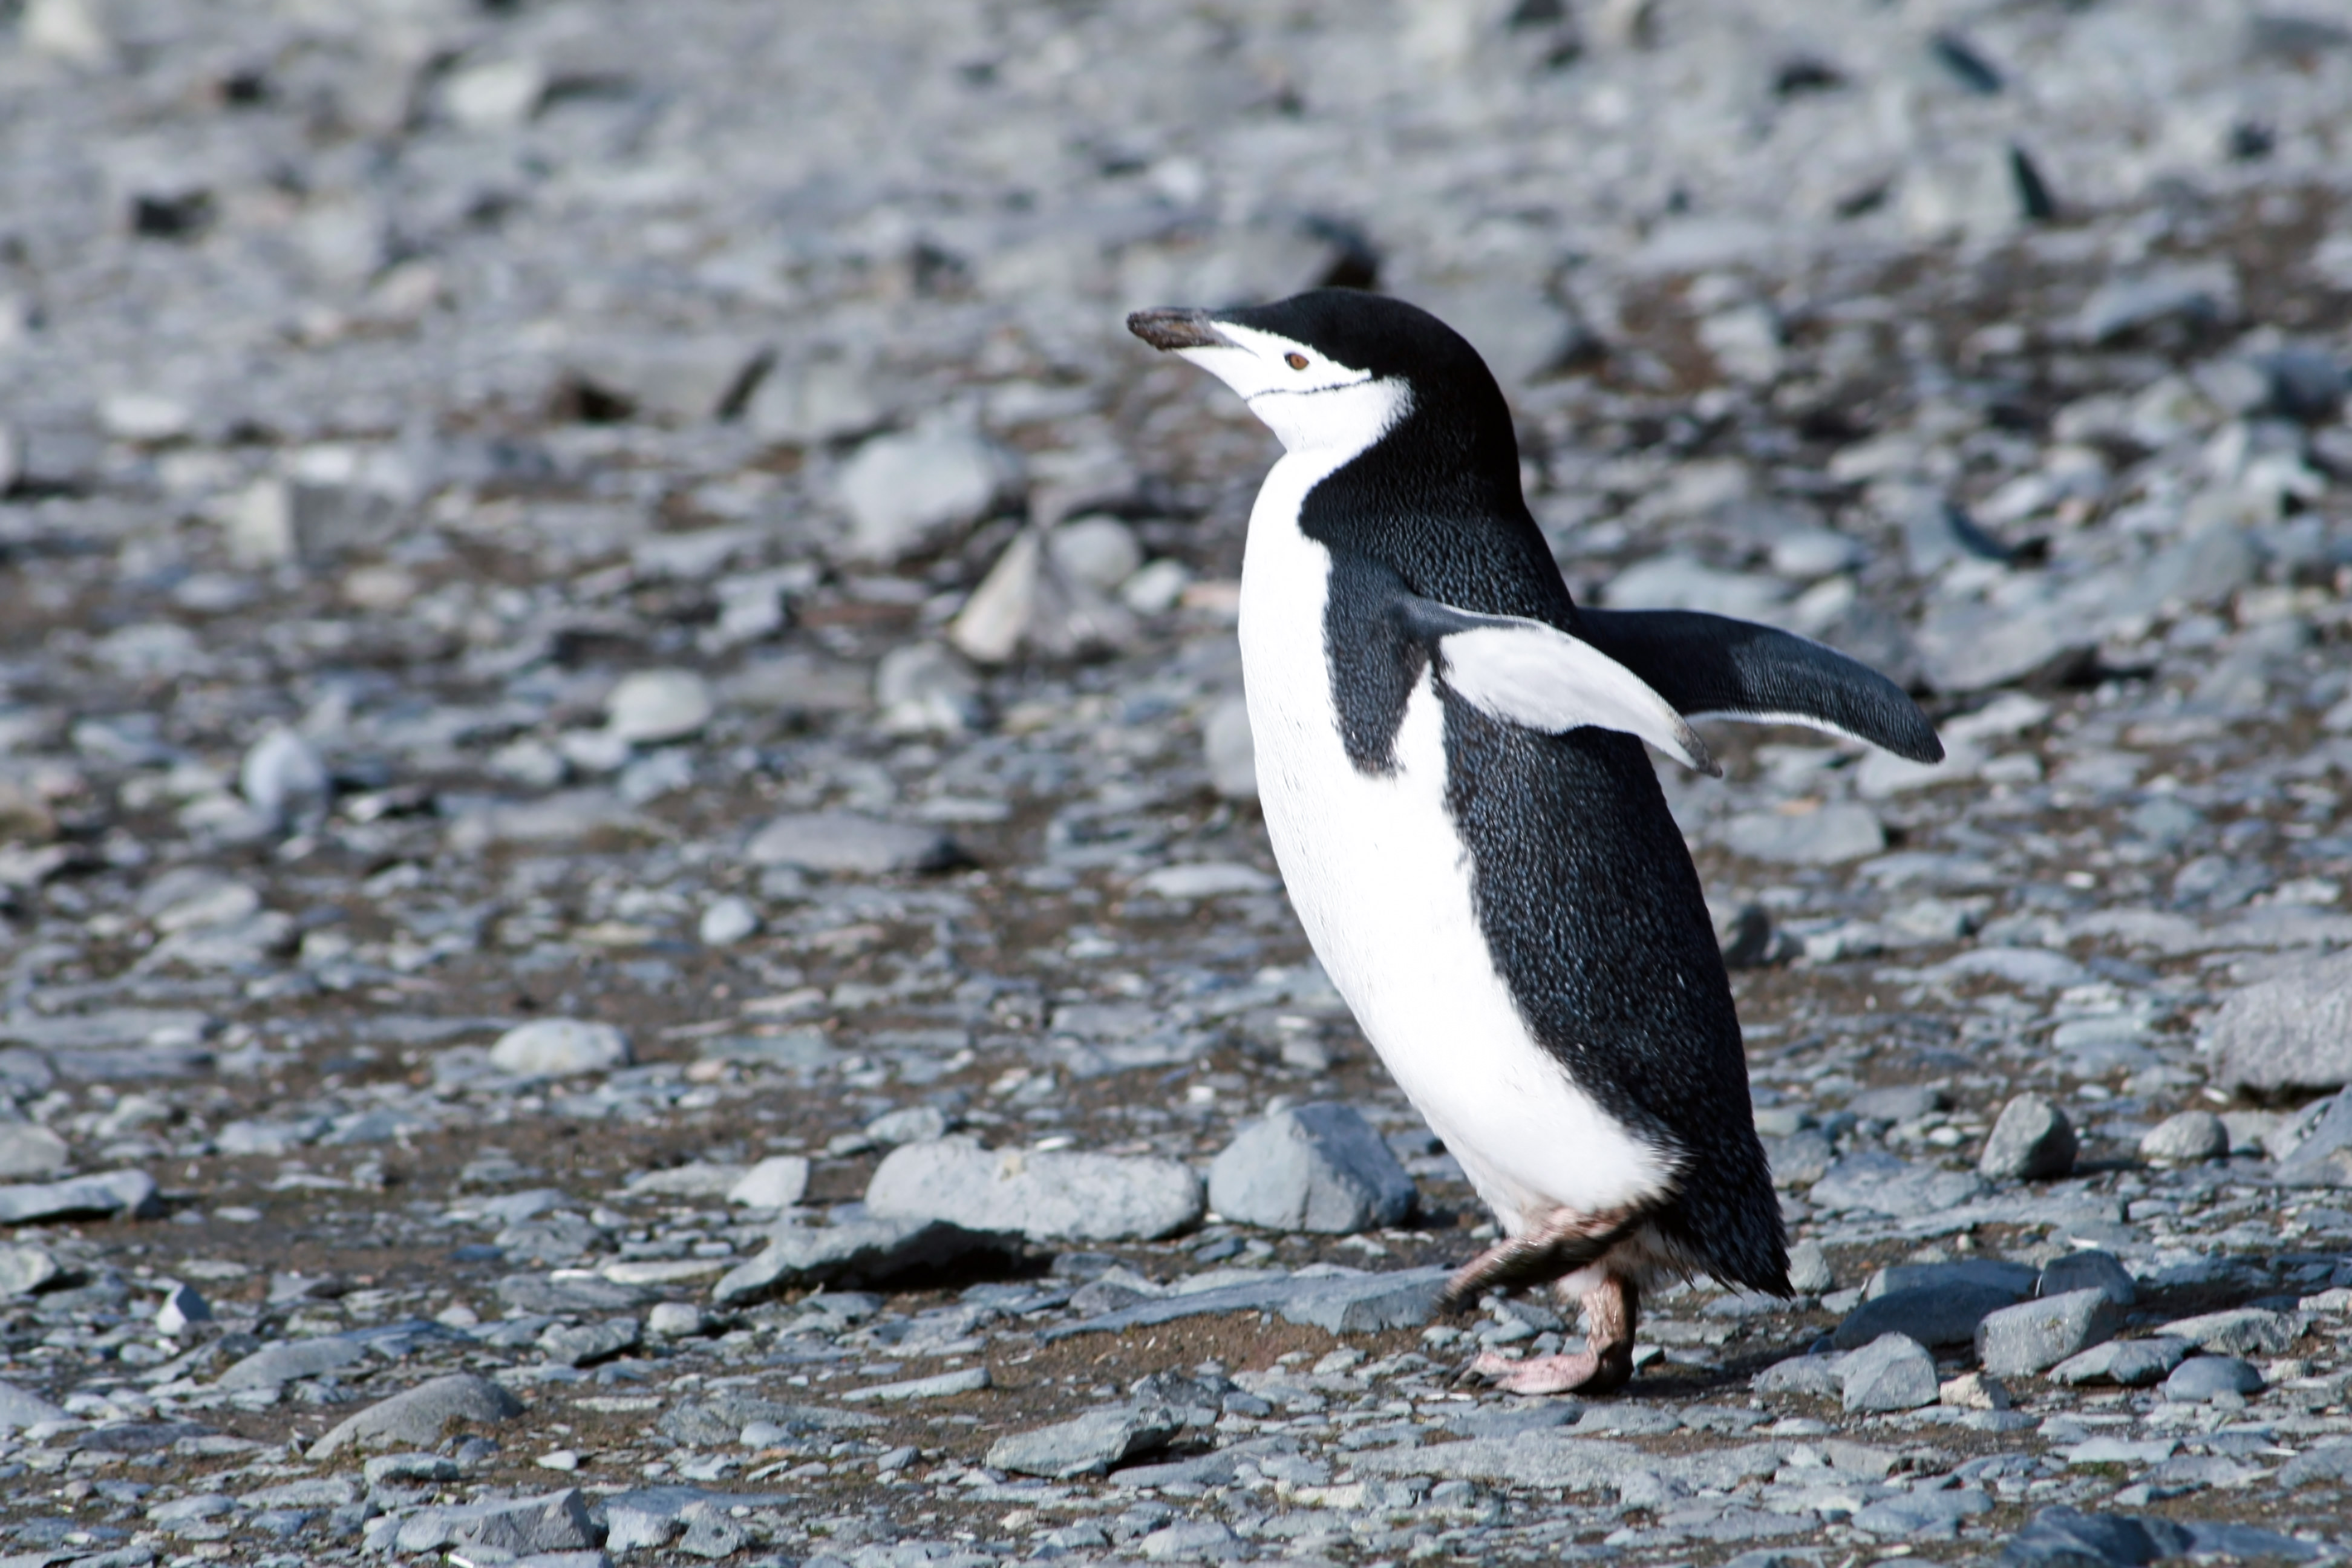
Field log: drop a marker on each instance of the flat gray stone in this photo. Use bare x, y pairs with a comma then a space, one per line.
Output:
1890, 1372
777, 1182
2243, 1331
1826, 836
1316, 1167
26, 1267
1923, 1515
1878, 1183
2031, 1141
1337, 1302
29, 1149
2127, 1363
907, 491
1555, 1462
2323, 1156
721, 1417
2035, 1336
1060, 1195
1821, 1376
2330, 1461
21, 1408
417, 1418
560, 1048
2292, 1031
289, 1361
2017, 1279
130, 1194
585, 1344
893, 1250
1934, 1315
2090, 1270
938, 1385
1088, 1444
2202, 1378
557, 1522
649, 707
846, 842
2187, 1138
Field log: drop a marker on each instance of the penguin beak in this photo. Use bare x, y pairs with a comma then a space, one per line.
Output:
1172, 330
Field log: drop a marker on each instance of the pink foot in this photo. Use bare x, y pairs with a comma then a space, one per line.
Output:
1543, 1374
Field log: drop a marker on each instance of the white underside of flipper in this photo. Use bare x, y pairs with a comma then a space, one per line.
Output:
1382, 881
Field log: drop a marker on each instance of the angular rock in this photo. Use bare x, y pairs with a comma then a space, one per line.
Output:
1923, 1515
2202, 1378
289, 1361
419, 1416
2188, 1138
2292, 1031
1890, 1372
650, 707
2243, 1331
1826, 836
2127, 1363
560, 1048
877, 1251
910, 1124
938, 1385
2016, 1280
1045, 1197
844, 841
21, 1408
1969, 646
1932, 1315
26, 1267
283, 777
1881, 1184
29, 1149
907, 492
2035, 1336
130, 1194
588, 1343
727, 920
1088, 1444
1316, 1167
777, 1182
2089, 1271
2329, 1461
2322, 1155
522, 1527
2031, 1140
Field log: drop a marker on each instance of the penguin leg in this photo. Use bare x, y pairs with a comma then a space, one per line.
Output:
1563, 1244
1603, 1366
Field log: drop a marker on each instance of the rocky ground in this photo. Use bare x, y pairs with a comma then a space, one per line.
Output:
633, 918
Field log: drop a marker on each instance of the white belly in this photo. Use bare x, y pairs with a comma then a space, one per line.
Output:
1380, 878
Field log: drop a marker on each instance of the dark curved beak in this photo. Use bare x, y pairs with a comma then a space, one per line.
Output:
1176, 330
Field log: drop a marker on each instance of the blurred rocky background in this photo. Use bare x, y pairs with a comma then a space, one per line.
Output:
635, 927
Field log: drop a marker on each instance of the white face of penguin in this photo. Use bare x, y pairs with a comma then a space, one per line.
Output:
1310, 401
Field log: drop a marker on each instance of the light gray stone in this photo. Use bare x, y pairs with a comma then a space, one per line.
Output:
2089, 1269
130, 1194
777, 1182
2201, 1378
1878, 1183
1063, 1195
2317, 1145
650, 707
2127, 1363
1229, 751
1969, 646
820, 398
522, 1527
937, 1385
1890, 1372
29, 1149
907, 492
2243, 1331
1087, 1444
880, 1250
1808, 1268
1826, 836
2186, 1138
727, 920
2031, 1140
26, 1267
560, 1048
585, 1344
419, 1416
1316, 1167
2016, 1280
21, 1408
675, 1321
842, 841
2201, 291
2033, 1336
283, 777
910, 1124
291, 1361
2293, 1030
924, 688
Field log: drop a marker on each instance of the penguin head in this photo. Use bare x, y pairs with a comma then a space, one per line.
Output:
1334, 368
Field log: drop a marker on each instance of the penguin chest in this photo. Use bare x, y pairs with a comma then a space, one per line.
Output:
1384, 886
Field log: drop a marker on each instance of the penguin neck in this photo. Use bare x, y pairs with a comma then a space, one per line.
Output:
1434, 496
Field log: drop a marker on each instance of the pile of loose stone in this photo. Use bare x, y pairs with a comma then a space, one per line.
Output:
635, 927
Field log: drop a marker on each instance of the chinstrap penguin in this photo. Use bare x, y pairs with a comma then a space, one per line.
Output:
1450, 761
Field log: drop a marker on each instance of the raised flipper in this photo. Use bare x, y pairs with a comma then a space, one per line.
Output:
1526, 673
1712, 664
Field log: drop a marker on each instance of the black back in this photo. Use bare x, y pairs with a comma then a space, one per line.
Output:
1584, 890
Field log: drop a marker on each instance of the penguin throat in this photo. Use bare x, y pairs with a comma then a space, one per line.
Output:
1333, 424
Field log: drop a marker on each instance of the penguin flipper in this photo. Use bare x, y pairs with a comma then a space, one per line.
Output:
1541, 677
1712, 664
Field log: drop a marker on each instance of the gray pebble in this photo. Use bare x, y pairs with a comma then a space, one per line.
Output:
1316, 1167
2035, 1336
560, 1048
1087, 1445
2031, 1140
2201, 1378
1890, 1372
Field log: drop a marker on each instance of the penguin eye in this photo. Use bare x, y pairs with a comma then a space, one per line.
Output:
1294, 360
